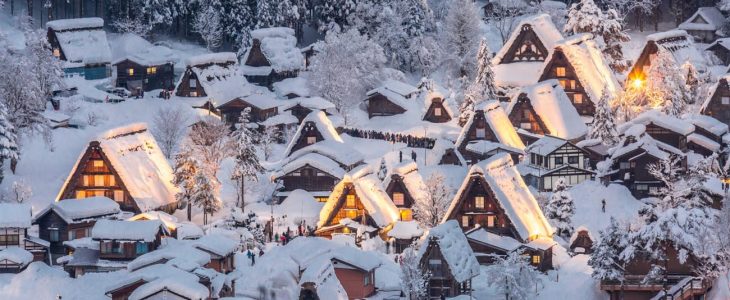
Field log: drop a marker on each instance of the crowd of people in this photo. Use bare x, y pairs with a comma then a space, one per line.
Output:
409, 140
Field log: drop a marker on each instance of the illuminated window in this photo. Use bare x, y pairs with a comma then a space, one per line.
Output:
490, 221
351, 213
87, 180
296, 173
464, 221
526, 125
80, 194
151, 70
56, 52
350, 201
112, 180
406, 215
479, 201
725, 100
563, 83
98, 163
119, 195
398, 198
193, 83
535, 259
130, 72
99, 180
572, 84
437, 111
311, 140
560, 71
481, 133
321, 199
577, 98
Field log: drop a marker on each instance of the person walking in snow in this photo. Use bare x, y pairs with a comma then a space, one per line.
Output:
413, 155
276, 237
603, 205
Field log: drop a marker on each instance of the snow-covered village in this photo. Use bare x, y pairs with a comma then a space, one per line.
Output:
364, 149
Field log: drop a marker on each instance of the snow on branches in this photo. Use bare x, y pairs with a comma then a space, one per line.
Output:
560, 209
429, 210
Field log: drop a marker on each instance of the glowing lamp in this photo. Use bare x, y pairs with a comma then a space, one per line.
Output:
637, 83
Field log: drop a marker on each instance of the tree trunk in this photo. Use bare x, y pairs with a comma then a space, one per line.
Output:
190, 209
30, 8
243, 201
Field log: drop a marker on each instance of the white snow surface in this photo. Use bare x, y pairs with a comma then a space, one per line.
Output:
78, 23
554, 108
137, 49
658, 118
216, 244
323, 125
77, 36
500, 124
75, 209
14, 215
455, 249
485, 237
126, 230
683, 49
590, 66
321, 162
17, 255
279, 46
411, 177
405, 230
297, 86
546, 145
543, 27
711, 19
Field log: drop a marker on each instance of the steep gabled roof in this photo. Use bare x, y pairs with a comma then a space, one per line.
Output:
15, 215
397, 92
554, 109
705, 18
590, 66
658, 118
644, 142
279, 46
546, 145
72, 210
77, 36
322, 123
680, 44
455, 249
543, 27
134, 48
127, 230
708, 123
219, 75
315, 160
512, 194
499, 123
722, 82
412, 179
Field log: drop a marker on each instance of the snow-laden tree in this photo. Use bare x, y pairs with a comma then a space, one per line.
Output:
418, 18
46, 67
383, 170
676, 218
247, 162
347, 65
483, 88
256, 230
429, 210
184, 170
331, 14
238, 20
460, 36
267, 139
668, 85
133, 24
719, 262
169, 127
287, 14
20, 191
414, 281
560, 209
696, 83
203, 194
208, 24
607, 261
8, 140
585, 16
513, 276
604, 123
266, 13
158, 12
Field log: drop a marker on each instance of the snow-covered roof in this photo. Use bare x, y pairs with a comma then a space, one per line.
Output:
512, 194
17, 255
397, 92
322, 274
517, 74
296, 85
74, 210
168, 220
723, 42
681, 45
455, 249
140, 164
500, 124
55, 116
590, 66
14, 215
321, 162
216, 244
211, 58
77, 36
644, 142
364, 260
482, 236
543, 27
484, 147
541, 243
126, 230
135, 48
714, 89
314, 103
331, 146
412, 179
707, 123
658, 118
279, 46
546, 145
219, 75
704, 141
180, 255
705, 18
405, 230
371, 193
578, 231
554, 108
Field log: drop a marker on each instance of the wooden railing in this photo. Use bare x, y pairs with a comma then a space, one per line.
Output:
685, 289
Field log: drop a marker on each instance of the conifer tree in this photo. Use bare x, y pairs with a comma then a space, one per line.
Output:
483, 88
8, 140
415, 282
239, 20
203, 194
583, 17
265, 13
666, 85
587, 17
604, 123
606, 259
184, 171
560, 209
247, 162
460, 33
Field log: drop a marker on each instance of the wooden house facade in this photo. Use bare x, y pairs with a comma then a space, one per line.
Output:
563, 70
390, 98
137, 77
347, 204
308, 174
111, 166
718, 104
677, 42
551, 158
487, 133
189, 85
231, 110
451, 268
437, 111
70, 41
704, 24
582, 241
721, 50
401, 196
476, 205
357, 279
284, 59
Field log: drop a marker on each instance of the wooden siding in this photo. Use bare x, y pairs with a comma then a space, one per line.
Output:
353, 281
523, 115
379, 105
721, 53
299, 111
140, 78
569, 81
356, 212
667, 136
479, 123
184, 89
396, 185
256, 57
583, 240
450, 158
309, 179
468, 214
309, 130
430, 115
231, 111
715, 108
441, 281
526, 47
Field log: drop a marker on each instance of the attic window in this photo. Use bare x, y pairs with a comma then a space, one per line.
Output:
350, 201
437, 111
398, 199
577, 98
151, 70
490, 221
56, 52
193, 94
311, 140
479, 202
465, 221
725, 100
560, 71
481, 133
526, 125
130, 72
535, 259
193, 83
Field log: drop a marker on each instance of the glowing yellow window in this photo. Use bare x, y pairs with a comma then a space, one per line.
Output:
130, 72
479, 201
80, 194
490, 221
560, 71
351, 213
398, 199
577, 98
99, 180
437, 111
87, 180
563, 83
350, 201
406, 215
535, 259
311, 140
57, 52
98, 164
112, 180
151, 70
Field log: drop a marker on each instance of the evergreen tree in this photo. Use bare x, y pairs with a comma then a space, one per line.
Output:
157, 12
184, 171
460, 33
614, 37
513, 276
203, 195
208, 24
604, 124
482, 88
239, 20
256, 230
666, 85
560, 209
606, 259
414, 281
466, 110
247, 162
266, 13
585, 16
8, 140
331, 14
383, 171
287, 14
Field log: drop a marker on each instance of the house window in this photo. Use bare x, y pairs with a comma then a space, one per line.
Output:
351, 213
563, 83
80, 194
725, 100
130, 72
366, 279
87, 180
624, 165
642, 187
98, 180
490, 221
434, 265
558, 161
573, 159
311, 140
193, 94
321, 174
118, 195
296, 173
527, 126
479, 201
572, 84
56, 52
350, 201
437, 111
577, 98
560, 71
193, 83
464, 221
536, 259
141, 248
151, 70
406, 215
398, 199
98, 164
481, 133
54, 235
